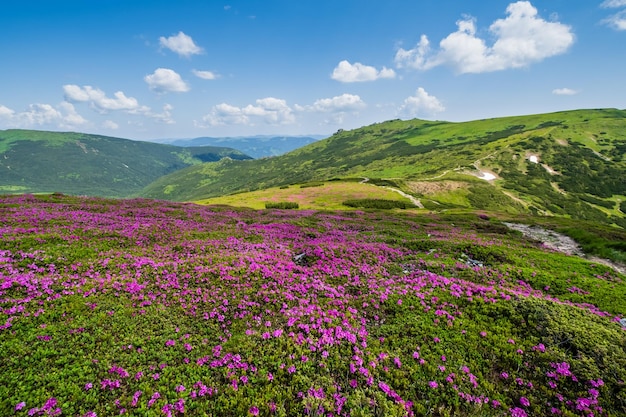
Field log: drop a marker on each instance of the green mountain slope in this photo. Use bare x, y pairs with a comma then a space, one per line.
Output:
567, 163
77, 163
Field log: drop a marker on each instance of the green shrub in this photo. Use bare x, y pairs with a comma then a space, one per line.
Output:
384, 183
285, 205
598, 202
486, 254
312, 184
377, 203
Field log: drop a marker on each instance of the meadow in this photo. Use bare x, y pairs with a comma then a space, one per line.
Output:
323, 196
151, 308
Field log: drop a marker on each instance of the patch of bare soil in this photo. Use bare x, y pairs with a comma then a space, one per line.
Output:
561, 243
557, 188
549, 238
514, 198
549, 169
434, 187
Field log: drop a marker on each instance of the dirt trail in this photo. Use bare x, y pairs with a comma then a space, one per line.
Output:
402, 193
410, 197
561, 243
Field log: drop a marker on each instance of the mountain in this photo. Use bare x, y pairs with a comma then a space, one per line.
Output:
77, 163
567, 163
255, 146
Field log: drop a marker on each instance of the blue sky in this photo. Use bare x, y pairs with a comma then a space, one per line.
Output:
149, 69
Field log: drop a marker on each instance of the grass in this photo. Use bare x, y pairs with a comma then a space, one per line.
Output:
329, 196
585, 147
153, 308
82, 164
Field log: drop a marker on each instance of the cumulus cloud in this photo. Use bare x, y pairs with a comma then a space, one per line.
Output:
225, 114
521, 38
182, 44
336, 108
63, 116
205, 75
618, 20
613, 3
564, 92
270, 110
419, 104
346, 72
165, 116
5, 112
342, 103
69, 115
98, 100
164, 80
110, 124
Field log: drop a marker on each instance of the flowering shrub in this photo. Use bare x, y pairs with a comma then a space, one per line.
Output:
150, 308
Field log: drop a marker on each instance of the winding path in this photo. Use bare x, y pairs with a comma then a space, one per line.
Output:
413, 200
559, 242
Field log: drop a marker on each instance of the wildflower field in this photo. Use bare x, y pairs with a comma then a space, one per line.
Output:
151, 308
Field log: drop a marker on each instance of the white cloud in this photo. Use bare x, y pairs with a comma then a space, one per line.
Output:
165, 116
165, 79
182, 44
6, 112
342, 103
336, 107
271, 110
346, 72
40, 114
420, 103
70, 116
564, 92
613, 3
225, 114
521, 39
205, 75
275, 111
110, 124
618, 20
63, 116
98, 100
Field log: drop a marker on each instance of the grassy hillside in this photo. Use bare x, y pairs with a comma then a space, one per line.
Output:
77, 163
567, 163
319, 196
152, 308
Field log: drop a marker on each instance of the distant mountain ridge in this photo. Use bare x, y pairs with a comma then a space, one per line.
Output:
567, 163
256, 146
82, 164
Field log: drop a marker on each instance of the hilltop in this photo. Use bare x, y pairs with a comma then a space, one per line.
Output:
77, 163
567, 164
